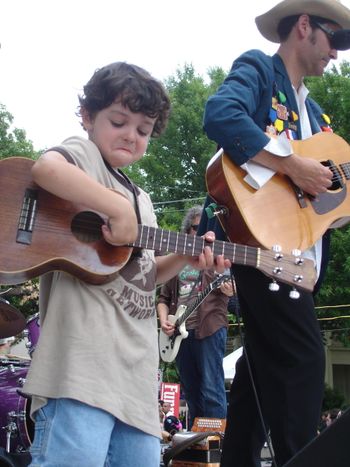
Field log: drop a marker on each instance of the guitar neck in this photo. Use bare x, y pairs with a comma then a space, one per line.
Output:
195, 304
166, 241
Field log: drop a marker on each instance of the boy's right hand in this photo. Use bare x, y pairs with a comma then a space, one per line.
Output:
116, 232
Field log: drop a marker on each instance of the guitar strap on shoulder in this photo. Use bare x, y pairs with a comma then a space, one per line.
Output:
117, 174
127, 183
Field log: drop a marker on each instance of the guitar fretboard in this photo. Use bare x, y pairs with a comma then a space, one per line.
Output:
200, 298
173, 242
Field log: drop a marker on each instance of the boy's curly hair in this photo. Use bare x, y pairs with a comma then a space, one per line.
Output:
130, 85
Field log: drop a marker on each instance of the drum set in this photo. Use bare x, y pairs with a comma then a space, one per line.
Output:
16, 426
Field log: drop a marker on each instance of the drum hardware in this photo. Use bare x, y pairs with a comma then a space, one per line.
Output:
21, 382
16, 427
32, 333
11, 428
11, 368
25, 334
11, 432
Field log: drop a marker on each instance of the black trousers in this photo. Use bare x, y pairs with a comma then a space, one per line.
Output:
286, 354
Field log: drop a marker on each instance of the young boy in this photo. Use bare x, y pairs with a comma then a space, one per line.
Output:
93, 375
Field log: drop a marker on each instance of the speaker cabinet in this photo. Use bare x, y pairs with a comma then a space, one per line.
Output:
329, 449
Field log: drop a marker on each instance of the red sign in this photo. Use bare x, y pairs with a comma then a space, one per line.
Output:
170, 392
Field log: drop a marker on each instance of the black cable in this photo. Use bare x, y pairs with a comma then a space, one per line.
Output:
238, 315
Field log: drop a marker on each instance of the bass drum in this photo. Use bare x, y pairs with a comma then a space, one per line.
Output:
16, 426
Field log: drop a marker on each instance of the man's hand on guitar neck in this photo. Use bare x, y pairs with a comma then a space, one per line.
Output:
308, 174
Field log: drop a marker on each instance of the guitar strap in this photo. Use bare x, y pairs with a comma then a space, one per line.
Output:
120, 177
127, 183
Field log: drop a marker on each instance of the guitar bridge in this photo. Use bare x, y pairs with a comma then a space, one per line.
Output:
300, 195
27, 217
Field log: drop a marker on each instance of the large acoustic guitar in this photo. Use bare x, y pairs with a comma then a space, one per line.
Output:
279, 212
41, 232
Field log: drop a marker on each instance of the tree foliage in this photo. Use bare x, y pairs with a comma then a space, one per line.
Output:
332, 92
174, 166
13, 142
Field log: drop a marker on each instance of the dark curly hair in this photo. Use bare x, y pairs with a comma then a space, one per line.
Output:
130, 85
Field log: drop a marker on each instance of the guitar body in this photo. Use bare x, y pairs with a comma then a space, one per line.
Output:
58, 239
169, 346
274, 214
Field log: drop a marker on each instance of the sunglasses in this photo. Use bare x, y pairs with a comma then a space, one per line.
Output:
195, 227
338, 40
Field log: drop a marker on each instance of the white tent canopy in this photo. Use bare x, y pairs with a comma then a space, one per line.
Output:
229, 363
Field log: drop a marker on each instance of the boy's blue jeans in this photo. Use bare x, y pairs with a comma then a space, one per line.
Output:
70, 433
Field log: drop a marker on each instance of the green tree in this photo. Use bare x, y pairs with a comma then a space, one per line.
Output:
332, 92
174, 166
13, 142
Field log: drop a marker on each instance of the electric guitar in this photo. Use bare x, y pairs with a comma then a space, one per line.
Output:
169, 345
41, 232
279, 212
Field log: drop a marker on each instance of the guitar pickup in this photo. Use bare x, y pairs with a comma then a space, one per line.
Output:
27, 217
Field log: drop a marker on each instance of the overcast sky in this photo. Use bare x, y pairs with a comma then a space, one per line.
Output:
49, 49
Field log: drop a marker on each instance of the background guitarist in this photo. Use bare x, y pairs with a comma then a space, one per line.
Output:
200, 357
267, 95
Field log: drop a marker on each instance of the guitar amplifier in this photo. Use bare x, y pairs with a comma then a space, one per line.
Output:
176, 463
208, 443
209, 424
204, 451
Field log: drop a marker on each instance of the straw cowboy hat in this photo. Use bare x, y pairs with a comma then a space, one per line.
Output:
332, 10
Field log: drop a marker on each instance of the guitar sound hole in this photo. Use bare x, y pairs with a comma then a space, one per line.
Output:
86, 226
337, 180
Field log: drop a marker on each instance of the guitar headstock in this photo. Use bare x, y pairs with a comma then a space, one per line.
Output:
292, 269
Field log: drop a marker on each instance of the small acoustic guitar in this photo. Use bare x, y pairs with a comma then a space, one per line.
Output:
41, 232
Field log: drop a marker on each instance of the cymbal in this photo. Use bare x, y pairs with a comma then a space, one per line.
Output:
12, 321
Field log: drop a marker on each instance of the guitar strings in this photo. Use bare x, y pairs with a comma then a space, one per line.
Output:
240, 254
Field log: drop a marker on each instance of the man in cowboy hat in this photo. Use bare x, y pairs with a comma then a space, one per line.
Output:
281, 374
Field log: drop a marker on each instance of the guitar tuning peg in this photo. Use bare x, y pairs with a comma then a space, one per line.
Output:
273, 286
276, 248
298, 259
294, 294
